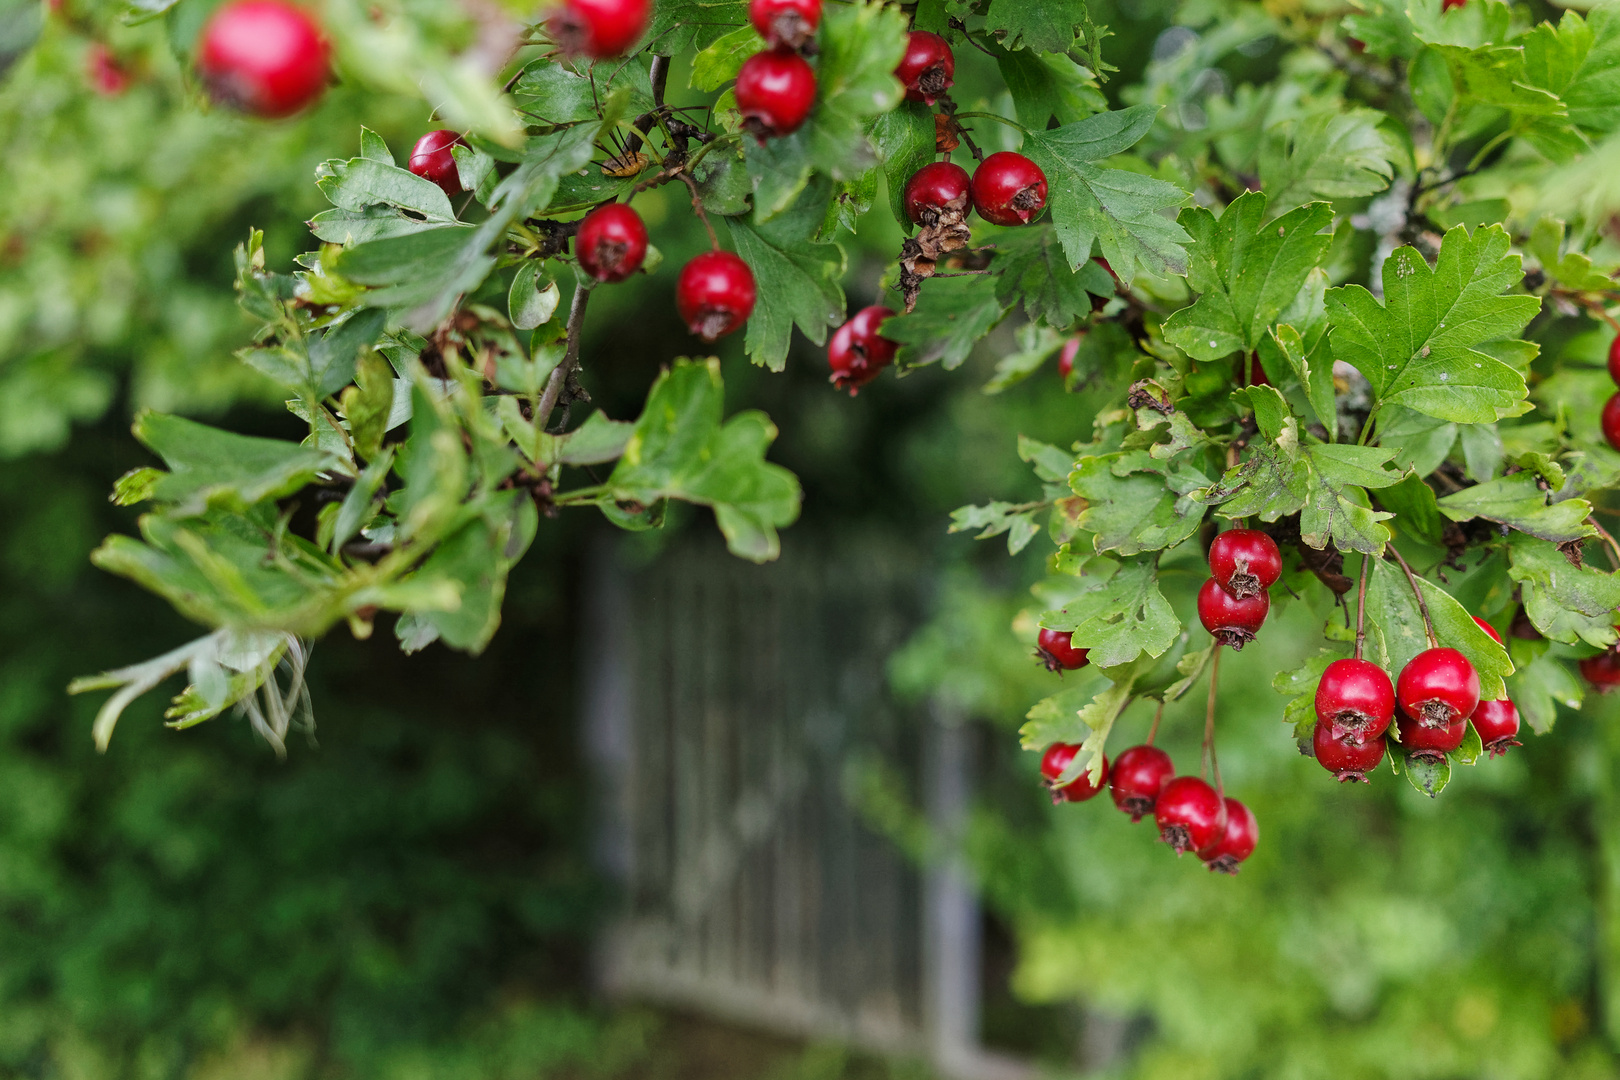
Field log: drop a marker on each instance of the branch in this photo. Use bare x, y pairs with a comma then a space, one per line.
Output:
1423, 605
570, 360
1361, 609
1209, 723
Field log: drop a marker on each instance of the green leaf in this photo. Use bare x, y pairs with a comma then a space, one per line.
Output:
1017, 520
1327, 155
1565, 603
1049, 26
1418, 348
1051, 87
211, 467
952, 315
1579, 62
474, 561
549, 91
1541, 683
1299, 686
360, 505
1395, 628
368, 406
1121, 211
1120, 613
1337, 510
532, 298
1246, 270
1312, 366
1034, 269
1413, 504
718, 64
797, 278
1519, 502
680, 26
1427, 774
904, 138
1130, 506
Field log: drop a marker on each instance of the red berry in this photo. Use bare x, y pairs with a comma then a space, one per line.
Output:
1355, 700
1236, 843
1056, 648
1614, 359
1245, 562
1611, 421
1438, 687
265, 57
1233, 621
715, 294
1447, 5
107, 76
857, 352
432, 160
1071, 349
599, 28
1497, 723
1346, 759
1357, 46
928, 68
789, 23
1250, 372
1188, 813
1138, 775
611, 242
775, 91
1008, 189
1602, 671
1055, 760
1428, 741
942, 185
1488, 628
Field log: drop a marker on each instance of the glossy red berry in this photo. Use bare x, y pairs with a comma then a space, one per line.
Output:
1245, 562
1057, 758
1602, 671
1348, 760
1488, 628
1497, 723
1008, 189
775, 92
715, 294
1611, 421
1614, 359
1233, 621
1138, 775
611, 243
1422, 740
599, 28
1236, 842
265, 57
1188, 813
1056, 648
106, 75
928, 68
785, 23
1438, 687
1447, 5
432, 160
857, 352
940, 186
1071, 349
1355, 700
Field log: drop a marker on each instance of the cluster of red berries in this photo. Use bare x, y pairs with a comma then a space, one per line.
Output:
1234, 603
1191, 815
1611, 409
776, 88
1431, 705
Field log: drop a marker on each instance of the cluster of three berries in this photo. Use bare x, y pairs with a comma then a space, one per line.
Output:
1233, 603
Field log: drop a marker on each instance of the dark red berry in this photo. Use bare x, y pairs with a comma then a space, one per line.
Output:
1611, 421
714, 294
1357, 46
785, 23
1056, 648
775, 92
265, 57
1057, 758
1138, 775
1438, 687
599, 28
1497, 722
1488, 628
1250, 373
432, 160
1245, 562
1071, 349
928, 68
857, 352
1427, 741
1236, 842
1447, 5
1233, 621
1188, 813
107, 76
1355, 700
942, 185
1602, 671
1348, 760
1614, 359
611, 243
1008, 189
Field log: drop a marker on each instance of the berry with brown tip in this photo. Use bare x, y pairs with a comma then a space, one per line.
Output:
785, 23
265, 57
1437, 688
1497, 723
1349, 761
1056, 649
1008, 189
1234, 622
1188, 813
1057, 758
1245, 562
1138, 775
1431, 742
715, 294
857, 352
775, 92
1355, 699
612, 242
928, 68
935, 188
599, 28
1236, 842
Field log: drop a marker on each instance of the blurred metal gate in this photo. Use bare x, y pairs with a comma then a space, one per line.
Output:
724, 705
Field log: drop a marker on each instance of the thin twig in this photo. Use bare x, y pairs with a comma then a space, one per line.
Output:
1361, 608
1613, 547
1158, 714
697, 204
1209, 764
1423, 605
559, 374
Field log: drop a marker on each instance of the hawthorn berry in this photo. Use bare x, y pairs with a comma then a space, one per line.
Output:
715, 294
1438, 687
1056, 648
1233, 621
857, 352
1057, 758
1447, 5
107, 76
1355, 700
432, 160
1008, 189
1488, 628
1138, 775
1071, 349
1614, 359
934, 188
1236, 842
1429, 741
1611, 421
1497, 722
612, 242
1602, 670
775, 92
785, 23
928, 68
1348, 760
1188, 813
1245, 562
599, 28
264, 57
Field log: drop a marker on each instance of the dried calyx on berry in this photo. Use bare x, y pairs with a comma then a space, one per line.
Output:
1349, 760
1233, 621
857, 352
928, 68
1497, 723
1055, 649
936, 199
789, 24
715, 294
1428, 742
1437, 688
1139, 774
611, 242
775, 92
1236, 842
1008, 189
1245, 562
1188, 813
1355, 700
598, 28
